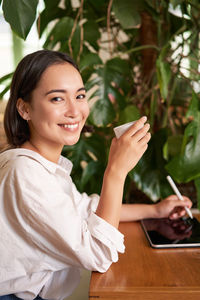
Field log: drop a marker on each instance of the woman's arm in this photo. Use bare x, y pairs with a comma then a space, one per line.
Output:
125, 152
170, 207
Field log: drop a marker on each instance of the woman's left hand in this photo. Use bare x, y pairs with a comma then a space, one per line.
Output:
172, 208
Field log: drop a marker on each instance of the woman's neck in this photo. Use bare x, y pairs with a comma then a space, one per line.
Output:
50, 153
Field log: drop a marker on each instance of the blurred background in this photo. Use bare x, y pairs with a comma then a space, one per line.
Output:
136, 58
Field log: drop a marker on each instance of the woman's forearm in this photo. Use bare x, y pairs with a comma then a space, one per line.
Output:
135, 212
110, 204
170, 207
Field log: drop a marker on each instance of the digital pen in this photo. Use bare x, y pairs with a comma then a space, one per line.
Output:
178, 194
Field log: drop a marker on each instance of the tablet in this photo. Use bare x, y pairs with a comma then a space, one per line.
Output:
166, 233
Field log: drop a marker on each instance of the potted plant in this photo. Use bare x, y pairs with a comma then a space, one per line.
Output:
136, 58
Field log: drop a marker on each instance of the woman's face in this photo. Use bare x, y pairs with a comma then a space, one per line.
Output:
58, 108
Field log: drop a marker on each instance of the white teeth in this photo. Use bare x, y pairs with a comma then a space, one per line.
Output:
71, 126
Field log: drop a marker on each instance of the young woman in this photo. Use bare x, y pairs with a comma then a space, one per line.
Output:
48, 229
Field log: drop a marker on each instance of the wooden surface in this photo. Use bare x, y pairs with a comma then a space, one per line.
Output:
146, 273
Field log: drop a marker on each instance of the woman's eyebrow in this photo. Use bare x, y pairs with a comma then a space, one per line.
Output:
62, 91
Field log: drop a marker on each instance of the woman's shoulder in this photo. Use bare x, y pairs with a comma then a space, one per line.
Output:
22, 162
21, 159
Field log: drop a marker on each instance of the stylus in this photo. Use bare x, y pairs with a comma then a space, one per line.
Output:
178, 194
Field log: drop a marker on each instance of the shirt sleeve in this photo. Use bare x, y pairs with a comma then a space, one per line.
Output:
49, 213
85, 204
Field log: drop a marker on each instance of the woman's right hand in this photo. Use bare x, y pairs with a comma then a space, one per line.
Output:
126, 151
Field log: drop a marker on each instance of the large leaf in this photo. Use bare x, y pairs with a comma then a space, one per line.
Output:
87, 64
76, 153
130, 113
102, 112
49, 14
91, 33
60, 32
109, 79
173, 146
89, 60
20, 15
150, 174
60, 35
92, 153
186, 166
96, 10
127, 13
90, 172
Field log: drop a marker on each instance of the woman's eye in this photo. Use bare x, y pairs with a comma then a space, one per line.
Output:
56, 99
81, 96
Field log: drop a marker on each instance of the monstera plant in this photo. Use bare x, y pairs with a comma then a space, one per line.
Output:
137, 58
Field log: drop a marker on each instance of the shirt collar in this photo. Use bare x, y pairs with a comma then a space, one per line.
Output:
63, 164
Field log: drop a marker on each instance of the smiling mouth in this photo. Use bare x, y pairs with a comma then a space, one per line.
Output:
69, 126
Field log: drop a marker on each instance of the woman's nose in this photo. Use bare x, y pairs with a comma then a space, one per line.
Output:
71, 109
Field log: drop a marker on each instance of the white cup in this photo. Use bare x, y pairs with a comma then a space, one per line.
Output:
119, 130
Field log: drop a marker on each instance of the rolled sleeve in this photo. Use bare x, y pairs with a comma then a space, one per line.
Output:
106, 234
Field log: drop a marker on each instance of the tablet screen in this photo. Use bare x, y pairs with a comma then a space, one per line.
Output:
166, 233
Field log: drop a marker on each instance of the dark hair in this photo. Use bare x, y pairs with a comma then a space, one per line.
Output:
25, 80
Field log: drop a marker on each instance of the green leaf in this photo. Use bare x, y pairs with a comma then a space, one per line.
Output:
20, 15
102, 112
194, 106
4, 91
80, 151
130, 113
60, 35
47, 15
126, 12
150, 174
85, 151
91, 33
97, 4
5, 80
173, 146
89, 60
7, 76
60, 32
164, 76
87, 64
76, 153
109, 79
51, 12
49, 4
182, 92
118, 65
175, 3
186, 166
89, 172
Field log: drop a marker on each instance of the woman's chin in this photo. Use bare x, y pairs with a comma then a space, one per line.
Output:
71, 142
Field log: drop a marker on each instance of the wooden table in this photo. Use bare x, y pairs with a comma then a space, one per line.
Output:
146, 273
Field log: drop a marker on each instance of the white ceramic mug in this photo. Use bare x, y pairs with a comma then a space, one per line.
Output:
119, 130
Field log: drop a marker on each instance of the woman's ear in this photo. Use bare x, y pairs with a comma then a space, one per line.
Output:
22, 108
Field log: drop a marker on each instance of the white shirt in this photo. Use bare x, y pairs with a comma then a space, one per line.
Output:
48, 230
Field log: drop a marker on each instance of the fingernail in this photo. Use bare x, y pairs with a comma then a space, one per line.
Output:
145, 118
